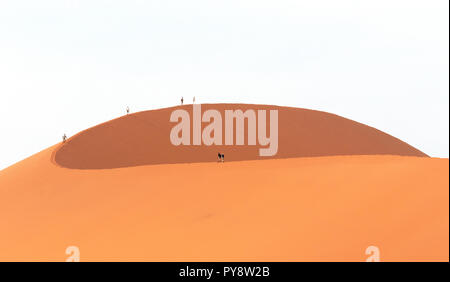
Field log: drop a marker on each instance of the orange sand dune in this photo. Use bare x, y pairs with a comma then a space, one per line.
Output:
301, 209
143, 138
328, 208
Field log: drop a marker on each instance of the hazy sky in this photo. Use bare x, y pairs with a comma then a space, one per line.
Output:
69, 65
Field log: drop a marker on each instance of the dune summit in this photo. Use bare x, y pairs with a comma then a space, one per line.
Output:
144, 138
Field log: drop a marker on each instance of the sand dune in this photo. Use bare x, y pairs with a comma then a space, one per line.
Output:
327, 208
143, 139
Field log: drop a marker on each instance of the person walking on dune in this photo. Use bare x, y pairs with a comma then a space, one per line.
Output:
128, 110
182, 100
193, 100
220, 157
64, 138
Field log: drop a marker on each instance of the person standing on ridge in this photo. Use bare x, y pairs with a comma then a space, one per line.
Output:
64, 138
182, 100
193, 100
128, 110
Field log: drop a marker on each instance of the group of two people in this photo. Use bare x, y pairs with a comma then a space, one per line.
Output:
182, 101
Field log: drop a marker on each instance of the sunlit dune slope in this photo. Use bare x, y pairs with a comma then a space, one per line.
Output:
297, 209
143, 138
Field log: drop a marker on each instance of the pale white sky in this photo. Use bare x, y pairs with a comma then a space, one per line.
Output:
69, 65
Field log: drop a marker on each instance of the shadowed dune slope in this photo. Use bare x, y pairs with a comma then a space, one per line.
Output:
144, 138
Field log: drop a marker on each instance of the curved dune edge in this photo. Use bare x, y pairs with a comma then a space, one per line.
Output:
299, 209
143, 139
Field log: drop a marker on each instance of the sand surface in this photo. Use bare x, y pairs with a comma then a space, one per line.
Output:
143, 138
322, 208
301, 209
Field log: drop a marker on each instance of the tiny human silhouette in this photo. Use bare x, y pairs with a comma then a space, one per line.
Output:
128, 110
193, 100
182, 100
64, 138
220, 157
